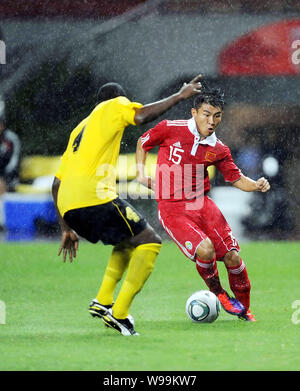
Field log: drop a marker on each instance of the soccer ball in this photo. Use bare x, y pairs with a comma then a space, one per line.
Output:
203, 307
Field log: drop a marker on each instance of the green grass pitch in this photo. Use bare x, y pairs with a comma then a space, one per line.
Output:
48, 326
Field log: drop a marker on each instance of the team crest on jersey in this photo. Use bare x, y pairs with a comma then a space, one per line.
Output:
188, 245
210, 156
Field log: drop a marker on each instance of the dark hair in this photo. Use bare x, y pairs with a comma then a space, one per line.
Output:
110, 91
213, 97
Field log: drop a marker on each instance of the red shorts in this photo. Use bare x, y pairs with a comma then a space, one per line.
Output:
188, 228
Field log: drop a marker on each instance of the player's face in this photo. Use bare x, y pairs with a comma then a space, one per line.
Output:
207, 118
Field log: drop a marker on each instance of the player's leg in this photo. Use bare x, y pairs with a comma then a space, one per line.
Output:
114, 271
213, 223
184, 229
135, 242
238, 277
144, 246
207, 267
193, 242
147, 246
89, 222
239, 281
181, 226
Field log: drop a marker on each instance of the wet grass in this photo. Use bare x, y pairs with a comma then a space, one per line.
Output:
48, 327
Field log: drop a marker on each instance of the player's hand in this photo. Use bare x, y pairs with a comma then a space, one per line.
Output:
146, 181
69, 245
262, 185
191, 88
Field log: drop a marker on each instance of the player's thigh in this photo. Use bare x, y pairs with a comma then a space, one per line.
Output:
183, 231
205, 250
142, 231
218, 230
135, 227
112, 222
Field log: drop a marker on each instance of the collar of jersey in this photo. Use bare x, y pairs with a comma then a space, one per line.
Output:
210, 140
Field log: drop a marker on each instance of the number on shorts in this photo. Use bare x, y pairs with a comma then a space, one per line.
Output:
131, 215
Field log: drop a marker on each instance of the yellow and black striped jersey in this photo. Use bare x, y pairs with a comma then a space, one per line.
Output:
88, 166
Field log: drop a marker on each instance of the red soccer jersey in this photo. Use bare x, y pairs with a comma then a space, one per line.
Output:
182, 162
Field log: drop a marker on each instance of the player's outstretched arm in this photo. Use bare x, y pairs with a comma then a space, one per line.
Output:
153, 110
141, 156
70, 239
248, 184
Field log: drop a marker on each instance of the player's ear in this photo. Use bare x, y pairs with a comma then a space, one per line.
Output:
194, 112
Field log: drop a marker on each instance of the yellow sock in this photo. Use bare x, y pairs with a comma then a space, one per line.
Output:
115, 269
140, 267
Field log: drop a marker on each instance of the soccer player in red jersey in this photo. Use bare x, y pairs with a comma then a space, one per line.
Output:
193, 221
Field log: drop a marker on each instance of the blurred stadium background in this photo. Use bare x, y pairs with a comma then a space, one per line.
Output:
58, 52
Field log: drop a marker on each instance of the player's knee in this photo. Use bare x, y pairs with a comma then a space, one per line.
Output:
206, 250
232, 258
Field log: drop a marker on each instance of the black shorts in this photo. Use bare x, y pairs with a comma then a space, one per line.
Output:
111, 223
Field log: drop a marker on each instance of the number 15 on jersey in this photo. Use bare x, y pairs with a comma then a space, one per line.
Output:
175, 156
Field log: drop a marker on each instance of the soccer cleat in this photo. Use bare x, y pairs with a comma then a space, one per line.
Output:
98, 310
230, 304
248, 317
123, 326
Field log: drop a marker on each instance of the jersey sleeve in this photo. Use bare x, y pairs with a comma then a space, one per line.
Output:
154, 137
228, 168
128, 110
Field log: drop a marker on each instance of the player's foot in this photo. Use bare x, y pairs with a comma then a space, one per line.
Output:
98, 310
123, 326
230, 304
248, 317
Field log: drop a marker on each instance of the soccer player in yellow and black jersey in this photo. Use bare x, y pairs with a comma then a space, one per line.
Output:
84, 193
